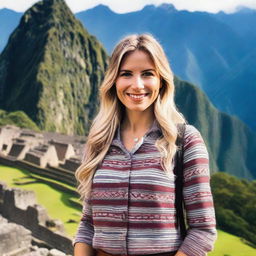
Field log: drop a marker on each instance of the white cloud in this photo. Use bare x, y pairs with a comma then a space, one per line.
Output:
19, 6
133, 5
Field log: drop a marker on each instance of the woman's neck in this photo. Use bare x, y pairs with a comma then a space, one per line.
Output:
137, 122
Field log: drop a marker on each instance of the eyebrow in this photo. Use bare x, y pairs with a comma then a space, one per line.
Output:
146, 70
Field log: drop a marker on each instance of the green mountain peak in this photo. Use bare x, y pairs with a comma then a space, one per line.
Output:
51, 69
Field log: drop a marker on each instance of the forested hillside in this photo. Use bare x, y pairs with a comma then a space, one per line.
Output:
235, 205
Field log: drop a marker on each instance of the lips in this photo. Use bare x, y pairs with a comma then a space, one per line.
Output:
139, 96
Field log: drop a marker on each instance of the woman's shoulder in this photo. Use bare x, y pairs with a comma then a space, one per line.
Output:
187, 128
192, 134
191, 129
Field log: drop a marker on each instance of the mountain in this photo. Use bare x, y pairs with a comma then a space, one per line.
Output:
51, 69
9, 19
242, 23
18, 118
55, 81
203, 48
212, 51
231, 144
243, 90
195, 42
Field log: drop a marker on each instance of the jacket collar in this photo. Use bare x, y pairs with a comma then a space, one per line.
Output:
150, 137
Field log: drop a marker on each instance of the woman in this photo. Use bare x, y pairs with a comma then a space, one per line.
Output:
126, 179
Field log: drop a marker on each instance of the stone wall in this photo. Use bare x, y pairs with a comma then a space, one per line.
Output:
56, 173
18, 241
18, 206
64, 150
15, 239
46, 149
7, 133
71, 164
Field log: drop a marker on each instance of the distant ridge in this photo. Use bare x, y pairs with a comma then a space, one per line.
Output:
231, 144
203, 48
51, 70
9, 19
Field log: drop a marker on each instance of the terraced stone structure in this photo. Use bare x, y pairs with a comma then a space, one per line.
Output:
7, 132
19, 207
50, 154
42, 155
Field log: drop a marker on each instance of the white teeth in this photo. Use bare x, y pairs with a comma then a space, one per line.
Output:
137, 96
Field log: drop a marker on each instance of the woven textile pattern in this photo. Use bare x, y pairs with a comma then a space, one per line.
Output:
131, 210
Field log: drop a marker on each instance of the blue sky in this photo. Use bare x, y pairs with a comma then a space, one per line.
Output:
120, 6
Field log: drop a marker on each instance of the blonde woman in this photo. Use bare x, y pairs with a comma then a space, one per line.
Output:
126, 179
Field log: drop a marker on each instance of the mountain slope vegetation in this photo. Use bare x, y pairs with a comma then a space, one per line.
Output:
51, 69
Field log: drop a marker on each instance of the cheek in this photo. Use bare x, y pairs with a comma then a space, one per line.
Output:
155, 87
119, 90
121, 86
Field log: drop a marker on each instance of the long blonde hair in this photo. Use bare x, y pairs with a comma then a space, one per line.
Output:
111, 109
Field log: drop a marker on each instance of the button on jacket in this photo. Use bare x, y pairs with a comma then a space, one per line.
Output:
131, 209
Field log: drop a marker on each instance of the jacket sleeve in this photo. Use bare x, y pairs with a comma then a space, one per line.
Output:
197, 196
85, 231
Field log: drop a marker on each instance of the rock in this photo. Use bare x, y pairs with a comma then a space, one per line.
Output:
55, 252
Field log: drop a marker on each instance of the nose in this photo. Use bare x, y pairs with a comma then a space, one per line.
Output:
138, 82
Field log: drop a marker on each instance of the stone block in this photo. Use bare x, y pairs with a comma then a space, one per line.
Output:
15, 239
24, 198
55, 252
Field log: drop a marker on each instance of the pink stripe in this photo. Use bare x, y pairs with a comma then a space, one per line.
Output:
151, 204
135, 168
151, 187
109, 202
123, 168
206, 226
146, 151
196, 161
193, 142
140, 225
114, 224
197, 180
201, 205
156, 225
110, 185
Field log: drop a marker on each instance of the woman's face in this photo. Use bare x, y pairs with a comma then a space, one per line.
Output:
138, 82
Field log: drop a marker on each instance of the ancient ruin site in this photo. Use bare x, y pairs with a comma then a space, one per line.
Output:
25, 227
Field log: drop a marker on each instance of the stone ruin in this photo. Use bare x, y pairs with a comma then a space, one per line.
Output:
63, 150
15, 239
26, 229
8, 133
48, 154
42, 155
45, 149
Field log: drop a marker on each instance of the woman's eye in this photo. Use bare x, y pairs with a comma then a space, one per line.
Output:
125, 74
148, 74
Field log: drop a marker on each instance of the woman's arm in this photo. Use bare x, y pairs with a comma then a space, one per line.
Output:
179, 253
82, 249
84, 236
197, 196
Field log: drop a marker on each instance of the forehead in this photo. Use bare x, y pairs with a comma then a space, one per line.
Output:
137, 59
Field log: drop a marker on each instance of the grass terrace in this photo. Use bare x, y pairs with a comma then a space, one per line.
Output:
59, 199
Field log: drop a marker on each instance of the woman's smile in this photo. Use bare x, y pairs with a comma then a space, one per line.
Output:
137, 97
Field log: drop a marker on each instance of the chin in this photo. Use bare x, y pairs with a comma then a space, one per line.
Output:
137, 108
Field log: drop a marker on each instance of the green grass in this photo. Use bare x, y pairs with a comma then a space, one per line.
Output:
55, 201
230, 245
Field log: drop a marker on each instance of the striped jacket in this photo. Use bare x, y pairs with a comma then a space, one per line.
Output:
131, 209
